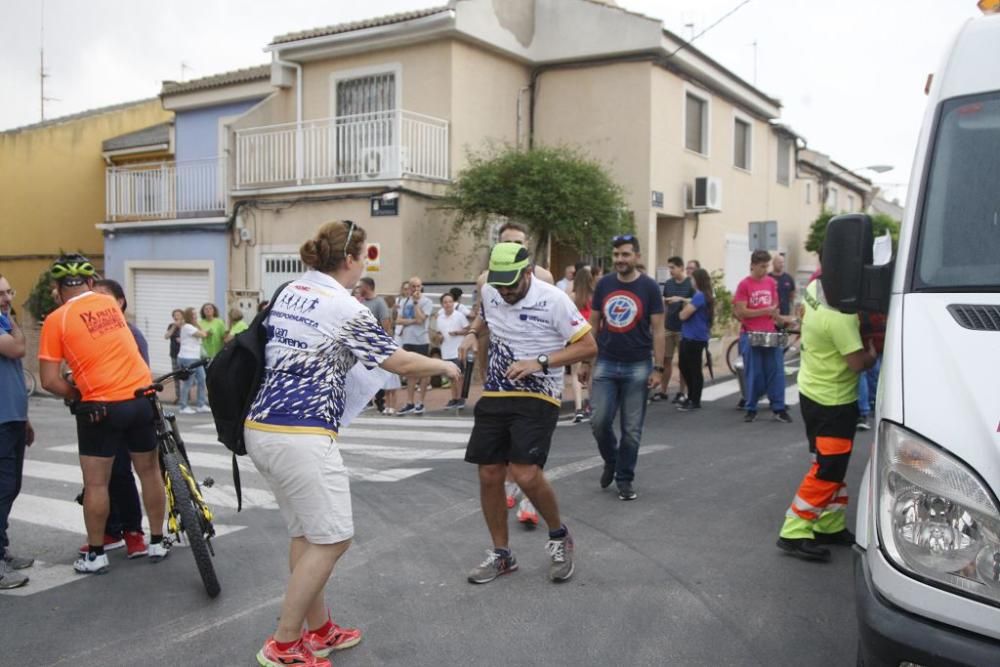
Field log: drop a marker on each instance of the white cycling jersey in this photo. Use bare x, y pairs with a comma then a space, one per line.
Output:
316, 332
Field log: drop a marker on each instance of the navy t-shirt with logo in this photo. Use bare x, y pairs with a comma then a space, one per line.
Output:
683, 289
786, 285
625, 333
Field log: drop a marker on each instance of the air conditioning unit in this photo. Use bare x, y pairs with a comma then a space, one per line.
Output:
380, 163
707, 194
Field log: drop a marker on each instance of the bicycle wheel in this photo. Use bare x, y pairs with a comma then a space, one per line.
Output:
191, 524
29, 381
732, 354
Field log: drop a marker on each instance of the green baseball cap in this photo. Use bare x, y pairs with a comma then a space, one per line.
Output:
507, 261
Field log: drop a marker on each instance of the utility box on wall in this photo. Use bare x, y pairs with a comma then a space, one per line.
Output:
763, 235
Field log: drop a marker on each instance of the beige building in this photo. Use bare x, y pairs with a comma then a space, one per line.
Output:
371, 120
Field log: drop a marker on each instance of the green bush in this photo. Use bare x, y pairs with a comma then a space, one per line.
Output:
723, 305
881, 223
40, 302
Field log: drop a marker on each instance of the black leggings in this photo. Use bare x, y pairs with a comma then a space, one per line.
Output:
691, 354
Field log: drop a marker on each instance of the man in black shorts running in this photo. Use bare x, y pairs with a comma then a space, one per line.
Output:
535, 331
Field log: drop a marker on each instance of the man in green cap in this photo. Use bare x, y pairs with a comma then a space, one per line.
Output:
535, 331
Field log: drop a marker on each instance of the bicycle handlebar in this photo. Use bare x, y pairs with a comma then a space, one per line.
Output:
180, 373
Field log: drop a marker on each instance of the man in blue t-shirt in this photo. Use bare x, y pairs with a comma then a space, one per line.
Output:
628, 316
786, 284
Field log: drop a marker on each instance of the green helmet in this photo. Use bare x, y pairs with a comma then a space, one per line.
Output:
72, 270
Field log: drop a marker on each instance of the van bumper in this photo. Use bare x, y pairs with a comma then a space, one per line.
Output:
888, 635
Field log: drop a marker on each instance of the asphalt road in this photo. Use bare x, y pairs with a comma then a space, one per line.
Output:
688, 574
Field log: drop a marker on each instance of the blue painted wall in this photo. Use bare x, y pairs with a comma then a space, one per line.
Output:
197, 131
170, 245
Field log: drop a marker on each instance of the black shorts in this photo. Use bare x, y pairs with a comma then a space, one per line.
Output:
419, 349
128, 424
512, 429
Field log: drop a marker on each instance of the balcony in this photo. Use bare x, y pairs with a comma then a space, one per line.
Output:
378, 146
166, 190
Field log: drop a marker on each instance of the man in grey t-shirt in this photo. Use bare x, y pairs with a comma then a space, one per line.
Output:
414, 314
375, 303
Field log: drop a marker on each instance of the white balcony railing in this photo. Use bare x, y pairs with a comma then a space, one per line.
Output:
362, 147
164, 190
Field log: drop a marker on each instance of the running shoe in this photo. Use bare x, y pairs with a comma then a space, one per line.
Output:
110, 544
783, 417
418, 409
864, 424
91, 564
561, 556
450, 404
579, 417
494, 566
607, 475
406, 410
334, 639
626, 492
512, 490
459, 403
17, 562
135, 544
188, 411
159, 551
678, 398
750, 416
687, 405
658, 396
203, 409
526, 514
9, 578
298, 654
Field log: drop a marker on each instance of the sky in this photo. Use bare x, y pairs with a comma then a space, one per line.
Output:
850, 74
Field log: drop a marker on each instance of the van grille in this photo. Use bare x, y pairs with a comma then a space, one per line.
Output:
976, 317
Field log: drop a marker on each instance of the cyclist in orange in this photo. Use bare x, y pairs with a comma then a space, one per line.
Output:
89, 332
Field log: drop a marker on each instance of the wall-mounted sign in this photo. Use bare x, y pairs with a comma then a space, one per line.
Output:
373, 258
380, 206
657, 199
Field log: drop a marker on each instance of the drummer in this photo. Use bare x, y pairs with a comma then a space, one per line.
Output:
756, 305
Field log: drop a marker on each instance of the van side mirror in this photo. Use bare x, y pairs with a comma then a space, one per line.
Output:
849, 280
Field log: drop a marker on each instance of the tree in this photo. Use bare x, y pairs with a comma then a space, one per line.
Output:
558, 193
880, 224
41, 302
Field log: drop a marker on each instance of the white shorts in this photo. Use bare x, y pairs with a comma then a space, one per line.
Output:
309, 480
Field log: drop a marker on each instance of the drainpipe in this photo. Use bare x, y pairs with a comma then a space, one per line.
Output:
299, 164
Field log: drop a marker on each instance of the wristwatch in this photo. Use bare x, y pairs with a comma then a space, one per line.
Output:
543, 361
659, 369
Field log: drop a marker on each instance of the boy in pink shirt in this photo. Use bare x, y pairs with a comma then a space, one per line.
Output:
755, 303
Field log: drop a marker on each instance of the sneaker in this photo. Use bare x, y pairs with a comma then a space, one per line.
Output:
298, 654
626, 492
91, 564
742, 404
783, 417
203, 409
16, 562
459, 403
658, 396
418, 409
842, 538
188, 411
579, 417
688, 405
159, 551
864, 424
406, 409
494, 566
803, 548
750, 416
388, 412
512, 490
9, 578
135, 544
450, 404
678, 398
110, 544
561, 554
526, 514
335, 639
607, 475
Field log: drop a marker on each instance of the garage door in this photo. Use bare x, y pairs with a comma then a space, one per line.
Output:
158, 292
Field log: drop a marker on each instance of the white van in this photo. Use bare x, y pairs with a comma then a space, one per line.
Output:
927, 566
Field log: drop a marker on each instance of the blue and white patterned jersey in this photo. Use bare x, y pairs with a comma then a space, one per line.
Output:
316, 332
543, 322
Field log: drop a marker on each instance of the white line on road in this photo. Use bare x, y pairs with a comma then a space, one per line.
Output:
397, 422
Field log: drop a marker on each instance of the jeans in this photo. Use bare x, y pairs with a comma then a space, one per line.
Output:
867, 386
691, 355
198, 378
12, 444
619, 387
765, 370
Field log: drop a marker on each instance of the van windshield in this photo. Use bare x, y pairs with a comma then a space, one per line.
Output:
959, 233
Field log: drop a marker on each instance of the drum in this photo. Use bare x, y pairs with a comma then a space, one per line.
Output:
768, 338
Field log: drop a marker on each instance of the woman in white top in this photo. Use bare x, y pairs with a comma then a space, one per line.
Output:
189, 354
317, 332
451, 326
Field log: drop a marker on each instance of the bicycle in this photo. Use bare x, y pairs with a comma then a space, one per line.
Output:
188, 515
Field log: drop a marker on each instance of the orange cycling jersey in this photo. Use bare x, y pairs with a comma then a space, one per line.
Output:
90, 333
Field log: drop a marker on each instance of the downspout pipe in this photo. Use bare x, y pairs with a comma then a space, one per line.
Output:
298, 114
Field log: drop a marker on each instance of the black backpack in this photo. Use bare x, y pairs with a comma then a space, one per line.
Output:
233, 378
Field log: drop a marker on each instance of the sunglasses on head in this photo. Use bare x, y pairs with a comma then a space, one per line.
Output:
623, 238
349, 232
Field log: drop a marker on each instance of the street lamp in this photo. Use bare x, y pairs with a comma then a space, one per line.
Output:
877, 168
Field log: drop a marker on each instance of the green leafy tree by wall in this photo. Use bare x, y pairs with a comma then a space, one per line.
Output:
40, 302
558, 193
880, 224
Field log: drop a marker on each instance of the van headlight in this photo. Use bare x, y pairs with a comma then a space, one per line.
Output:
936, 519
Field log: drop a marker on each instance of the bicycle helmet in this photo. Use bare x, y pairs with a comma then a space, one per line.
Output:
70, 270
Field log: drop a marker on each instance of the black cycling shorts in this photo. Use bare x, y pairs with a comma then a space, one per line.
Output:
128, 424
512, 429
425, 350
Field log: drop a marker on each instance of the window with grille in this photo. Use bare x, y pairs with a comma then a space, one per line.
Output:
366, 94
741, 144
279, 269
696, 124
